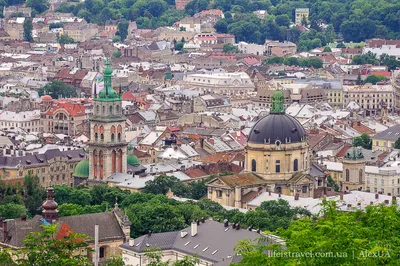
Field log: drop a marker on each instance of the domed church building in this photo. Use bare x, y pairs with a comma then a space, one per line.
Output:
277, 151
277, 159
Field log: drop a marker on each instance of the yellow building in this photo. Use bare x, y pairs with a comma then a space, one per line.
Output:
300, 13
385, 140
54, 167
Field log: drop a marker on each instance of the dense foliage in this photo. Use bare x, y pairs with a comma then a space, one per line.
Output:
364, 141
337, 238
58, 89
314, 62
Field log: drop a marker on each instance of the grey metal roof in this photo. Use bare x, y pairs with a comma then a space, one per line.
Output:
41, 159
212, 243
392, 133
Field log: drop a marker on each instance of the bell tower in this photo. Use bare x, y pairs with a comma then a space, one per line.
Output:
107, 146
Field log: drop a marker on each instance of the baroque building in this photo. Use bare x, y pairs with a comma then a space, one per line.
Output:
107, 147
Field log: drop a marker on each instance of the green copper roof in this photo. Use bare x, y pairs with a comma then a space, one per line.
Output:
130, 147
132, 160
82, 169
354, 153
107, 93
277, 100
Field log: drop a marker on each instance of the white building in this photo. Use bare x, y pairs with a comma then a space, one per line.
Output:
251, 48
222, 83
381, 46
28, 121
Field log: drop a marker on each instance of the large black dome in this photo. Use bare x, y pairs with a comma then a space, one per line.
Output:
277, 126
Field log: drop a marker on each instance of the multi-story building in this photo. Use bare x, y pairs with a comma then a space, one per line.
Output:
107, 147
62, 116
333, 89
212, 103
282, 49
251, 48
300, 93
15, 28
54, 167
80, 31
221, 83
190, 24
10, 10
385, 140
300, 13
28, 120
384, 180
205, 38
371, 98
382, 46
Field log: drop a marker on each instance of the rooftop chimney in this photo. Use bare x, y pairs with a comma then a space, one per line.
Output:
149, 233
341, 196
226, 223
193, 228
233, 226
131, 242
237, 226
249, 228
279, 195
4, 229
376, 196
296, 197
23, 218
203, 220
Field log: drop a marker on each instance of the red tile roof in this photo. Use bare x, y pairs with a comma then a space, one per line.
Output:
251, 61
220, 157
195, 173
343, 151
72, 108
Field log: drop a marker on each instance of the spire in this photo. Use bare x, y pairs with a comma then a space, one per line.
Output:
277, 101
49, 207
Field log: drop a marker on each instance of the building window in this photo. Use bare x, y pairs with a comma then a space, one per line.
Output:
96, 136
104, 110
347, 175
253, 165
383, 182
376, 181
296, 165
219, 193
119, 137
360, 176
304, 189
112, 137
278, 166
102, 137
111, 110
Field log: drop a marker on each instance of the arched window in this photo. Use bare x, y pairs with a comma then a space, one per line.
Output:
253, 165
360, 176
278, 166
347, 175
114, 161
112, 137
111, 110
96, 136
104, 110
97, 110
119, 137
102, 137
117, 109
296, 165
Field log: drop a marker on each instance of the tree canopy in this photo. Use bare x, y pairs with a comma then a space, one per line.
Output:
364, 141
57, 89
336, 238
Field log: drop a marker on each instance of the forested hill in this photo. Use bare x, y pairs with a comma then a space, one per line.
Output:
356, 20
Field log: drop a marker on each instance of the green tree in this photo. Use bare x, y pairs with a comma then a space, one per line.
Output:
397, 144
359, 80
364, 141
28, 27
282, 20
179, 46
160, 185
39, 5
230, 48
123, 29
188, 261
116, 38
333, 184
373, 79
58, 89
65, 39
327, 49
34, 194
12, 210
273, 60
43, 248
117, 54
